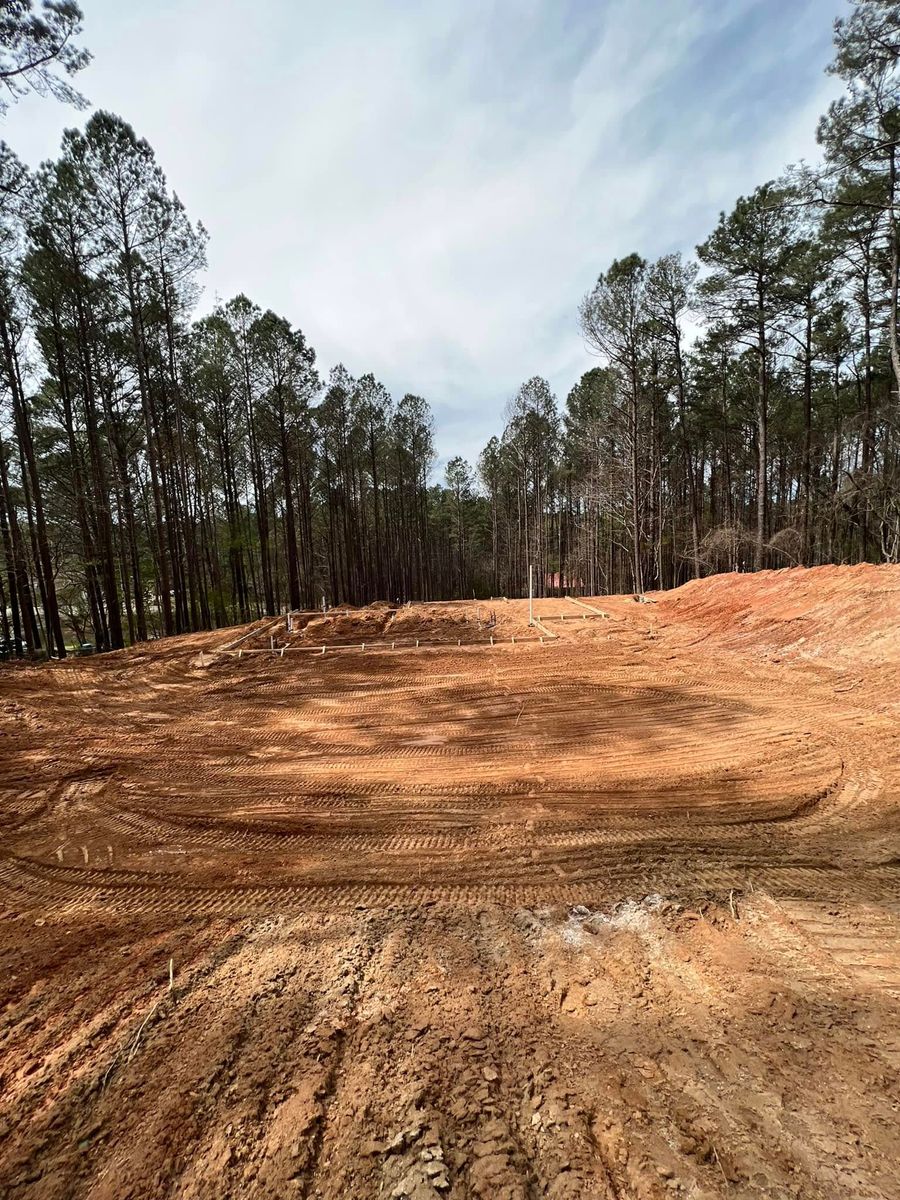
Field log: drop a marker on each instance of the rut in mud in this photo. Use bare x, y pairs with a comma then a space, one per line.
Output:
606, 908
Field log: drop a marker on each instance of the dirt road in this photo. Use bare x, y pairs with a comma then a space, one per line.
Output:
612, 913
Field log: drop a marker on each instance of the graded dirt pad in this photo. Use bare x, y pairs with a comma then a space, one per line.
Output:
613, 914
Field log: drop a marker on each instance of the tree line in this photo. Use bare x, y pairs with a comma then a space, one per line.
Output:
161, 474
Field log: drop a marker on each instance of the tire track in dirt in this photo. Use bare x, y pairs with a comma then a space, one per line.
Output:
863, 942
69, 889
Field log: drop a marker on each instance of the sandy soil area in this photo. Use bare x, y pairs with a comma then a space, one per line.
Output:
608, 914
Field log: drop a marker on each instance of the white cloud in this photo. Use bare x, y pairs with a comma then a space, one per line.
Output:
427, 190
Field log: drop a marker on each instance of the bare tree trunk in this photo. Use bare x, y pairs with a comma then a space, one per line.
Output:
762, 419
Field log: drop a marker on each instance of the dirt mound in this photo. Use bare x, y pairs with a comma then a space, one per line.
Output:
464, 621
381, 625
341, 627
841, 615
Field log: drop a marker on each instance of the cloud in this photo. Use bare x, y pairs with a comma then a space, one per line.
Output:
427, 190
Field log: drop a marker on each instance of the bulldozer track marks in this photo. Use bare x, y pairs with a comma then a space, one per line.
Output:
863, 943
401, 779
70, 888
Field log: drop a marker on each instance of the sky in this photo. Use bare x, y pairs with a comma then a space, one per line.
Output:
428, 189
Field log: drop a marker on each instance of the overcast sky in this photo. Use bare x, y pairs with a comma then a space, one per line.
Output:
427, 189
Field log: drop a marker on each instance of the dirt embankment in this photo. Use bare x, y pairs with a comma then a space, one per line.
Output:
843, 616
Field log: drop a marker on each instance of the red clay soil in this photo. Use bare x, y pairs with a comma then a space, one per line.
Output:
608, 915
841, 615
435, 624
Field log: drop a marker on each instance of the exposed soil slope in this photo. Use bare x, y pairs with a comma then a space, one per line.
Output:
838, 615
612, 913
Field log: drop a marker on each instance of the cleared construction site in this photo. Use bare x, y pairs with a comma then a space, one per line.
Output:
449, 900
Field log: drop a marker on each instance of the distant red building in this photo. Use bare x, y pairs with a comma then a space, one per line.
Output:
556, 581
